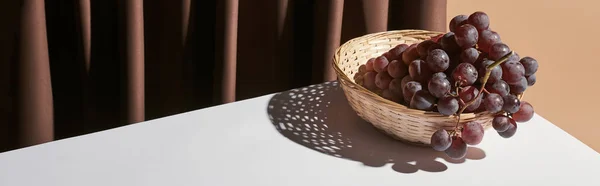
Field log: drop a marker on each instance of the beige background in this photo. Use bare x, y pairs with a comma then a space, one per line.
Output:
563, 37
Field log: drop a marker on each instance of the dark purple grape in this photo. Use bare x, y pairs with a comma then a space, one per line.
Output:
438, 60
469, 93
493, 102
405, 80
447, 105
498, 51
410, 89
472, 133
458, 148
469, 55
369, 65
397, 69
518, 87
512, 72
495, 75
466, 36
457, 21
419, 71
511, 103
439, 75
433, 47
410, 54
395, 88
531, 80
487, 38
448, 43
396, 52
380, 64
524, 114
422, 100
439, 86
382, 80
440, 140
510, 131
423, 47
480, 20
369, 80
500, 123
514, 57
499, 87
465, 73
530, 65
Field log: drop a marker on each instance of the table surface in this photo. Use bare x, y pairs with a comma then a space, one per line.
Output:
305, 136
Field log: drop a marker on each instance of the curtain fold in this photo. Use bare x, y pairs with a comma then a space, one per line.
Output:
78, 66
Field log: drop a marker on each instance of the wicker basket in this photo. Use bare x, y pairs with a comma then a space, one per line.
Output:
394, 119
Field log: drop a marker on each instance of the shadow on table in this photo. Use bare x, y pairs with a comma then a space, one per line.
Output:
320, 118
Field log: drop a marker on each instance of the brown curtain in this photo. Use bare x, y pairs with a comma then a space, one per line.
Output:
70, 67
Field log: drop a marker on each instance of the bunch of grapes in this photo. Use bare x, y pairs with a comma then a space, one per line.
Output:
466, 70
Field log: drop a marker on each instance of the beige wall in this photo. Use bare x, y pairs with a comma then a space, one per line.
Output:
564, 36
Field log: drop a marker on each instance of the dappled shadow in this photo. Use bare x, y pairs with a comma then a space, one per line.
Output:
319, 117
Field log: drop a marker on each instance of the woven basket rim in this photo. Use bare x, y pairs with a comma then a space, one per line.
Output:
388, 103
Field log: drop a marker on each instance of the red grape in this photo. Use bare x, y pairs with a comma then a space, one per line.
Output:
472, 133
524, 114
387, 94
438, 60
458, 148
395, 88
469, 93
511, 103
480, 20
396, 52
498, 51
439, 86
487, 38
409, 90
499, 87
465, 73
448, 43
422, 100
440, 140
437, 38
369, 64
419, 71
466, 36
519, 86
447, 105
512, 72
380, 64
422, 48
410, 54
369, 80
500, 123
510, 131
382, 80
469, 55
457, 21
495, 75
530, 65
531, 80
397, 69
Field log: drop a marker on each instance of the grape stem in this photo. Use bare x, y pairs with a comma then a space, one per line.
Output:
488, 71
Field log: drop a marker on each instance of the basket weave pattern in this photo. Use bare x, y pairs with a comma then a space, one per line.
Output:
396, 120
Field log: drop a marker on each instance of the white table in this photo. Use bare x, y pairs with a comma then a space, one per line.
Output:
237, 144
